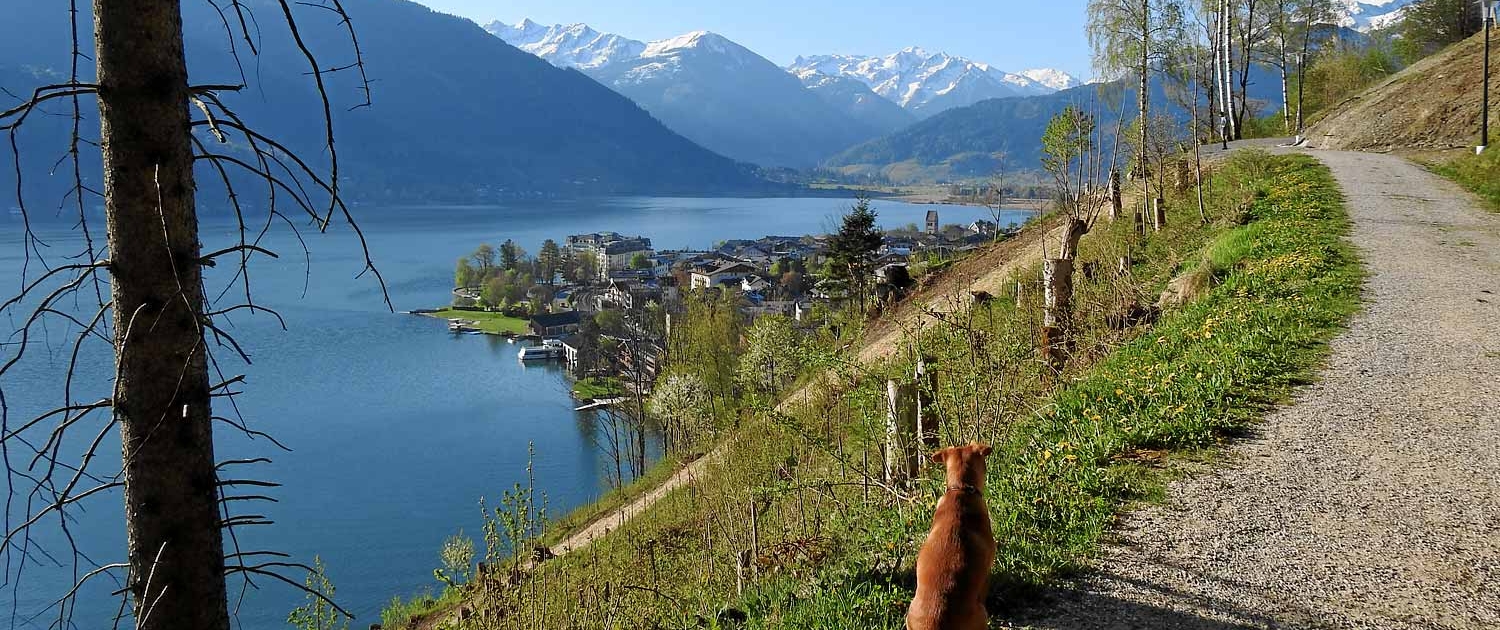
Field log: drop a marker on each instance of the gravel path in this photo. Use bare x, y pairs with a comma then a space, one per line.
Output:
1373, 500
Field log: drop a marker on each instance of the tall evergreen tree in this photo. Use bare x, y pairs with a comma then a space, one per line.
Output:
853, 249
509, 255
550, 260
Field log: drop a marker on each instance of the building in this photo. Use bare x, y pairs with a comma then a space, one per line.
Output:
572, 351
755, 283
727, 273
555, 324
627, 295
617, 255
611, 250
932, 222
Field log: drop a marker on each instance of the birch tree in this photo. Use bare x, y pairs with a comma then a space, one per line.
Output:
1072, 155
1128, 38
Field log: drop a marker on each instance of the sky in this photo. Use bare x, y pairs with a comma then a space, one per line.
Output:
1011, 35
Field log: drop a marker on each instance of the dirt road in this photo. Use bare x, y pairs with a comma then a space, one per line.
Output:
1373, 499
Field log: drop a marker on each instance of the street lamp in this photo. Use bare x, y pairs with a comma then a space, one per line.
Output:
1489, 7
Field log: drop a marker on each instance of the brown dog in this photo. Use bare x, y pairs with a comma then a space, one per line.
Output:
953, 568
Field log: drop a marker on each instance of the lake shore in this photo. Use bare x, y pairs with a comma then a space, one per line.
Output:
486, 322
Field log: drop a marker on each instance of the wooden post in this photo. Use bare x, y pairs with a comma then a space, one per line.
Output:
754, 536
1116, 200
1158, 214
901, 430
1140, 219
741, 565
927, 418
1020, 293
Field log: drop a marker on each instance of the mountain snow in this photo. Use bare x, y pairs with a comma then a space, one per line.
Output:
1056, 80
568, 45
927, 83
1367, 15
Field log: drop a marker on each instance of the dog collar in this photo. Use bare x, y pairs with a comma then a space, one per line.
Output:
966, 489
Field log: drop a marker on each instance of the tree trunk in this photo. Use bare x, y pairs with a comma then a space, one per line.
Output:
1286, 104
1144, 99
1245, 58
1307, 29
1057, 286
161, 397
1227, 106
1158, 214
1115, 196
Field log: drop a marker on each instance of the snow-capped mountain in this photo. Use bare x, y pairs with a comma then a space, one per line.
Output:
1056, 80
1367, 15
568, 45
714, 91
921, 82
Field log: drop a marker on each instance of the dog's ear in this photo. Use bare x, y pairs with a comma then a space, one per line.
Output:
938, 456
984, 450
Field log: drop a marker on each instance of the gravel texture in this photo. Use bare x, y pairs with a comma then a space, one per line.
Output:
1373, 499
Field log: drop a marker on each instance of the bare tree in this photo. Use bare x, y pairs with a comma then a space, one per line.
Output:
163, 326
1129, 36
1072, 153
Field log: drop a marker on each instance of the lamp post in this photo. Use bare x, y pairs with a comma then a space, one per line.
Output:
1489, 7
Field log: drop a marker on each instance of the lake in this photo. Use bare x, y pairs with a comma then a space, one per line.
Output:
396, 427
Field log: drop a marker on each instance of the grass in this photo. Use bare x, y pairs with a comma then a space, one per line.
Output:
613, 500
492, 323
1072, 452
598, 387
1478, 173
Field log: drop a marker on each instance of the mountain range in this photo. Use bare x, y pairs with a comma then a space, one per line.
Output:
458, 114
455, 113
927, 83
1368, 15
730, 99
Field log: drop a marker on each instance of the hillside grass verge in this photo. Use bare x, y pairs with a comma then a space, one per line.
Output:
1478, 173
793, 526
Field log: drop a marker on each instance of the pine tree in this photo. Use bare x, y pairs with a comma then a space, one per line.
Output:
853, 249
550, 260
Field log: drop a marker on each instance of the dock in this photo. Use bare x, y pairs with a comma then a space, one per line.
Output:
603, 402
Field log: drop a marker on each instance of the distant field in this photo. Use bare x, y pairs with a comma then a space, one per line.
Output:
493, 323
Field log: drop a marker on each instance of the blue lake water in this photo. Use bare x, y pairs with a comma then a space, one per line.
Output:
397, 428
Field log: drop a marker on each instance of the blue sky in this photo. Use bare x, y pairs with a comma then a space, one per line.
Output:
1009, 34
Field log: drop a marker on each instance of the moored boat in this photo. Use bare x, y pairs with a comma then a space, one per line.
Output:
550, 349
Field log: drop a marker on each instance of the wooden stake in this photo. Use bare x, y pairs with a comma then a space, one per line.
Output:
901, 429
1158, 214
754, 536
927, 418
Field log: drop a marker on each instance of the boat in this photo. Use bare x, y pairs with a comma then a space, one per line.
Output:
459, 327
550, 349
